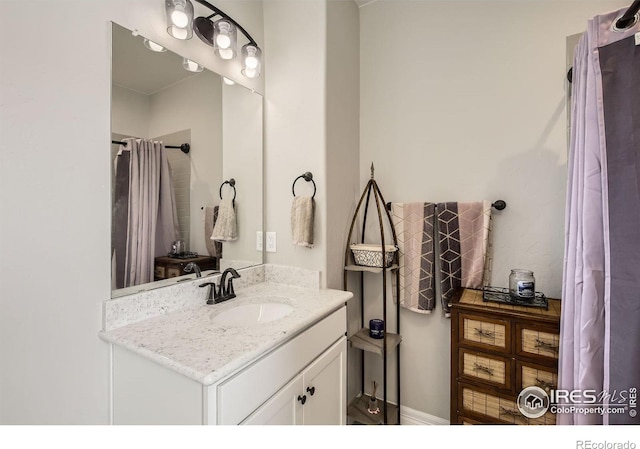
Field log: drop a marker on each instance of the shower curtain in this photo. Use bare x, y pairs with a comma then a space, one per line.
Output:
145, 221
600, 323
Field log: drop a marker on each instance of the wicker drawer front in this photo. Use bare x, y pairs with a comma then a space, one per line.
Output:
484, 332
539, 343
493, 369
544, 378
503, 409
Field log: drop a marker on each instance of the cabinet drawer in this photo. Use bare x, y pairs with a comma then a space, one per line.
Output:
173, 272
483, 332
536, 375
495, 370
158, 272
541, 342
487, 404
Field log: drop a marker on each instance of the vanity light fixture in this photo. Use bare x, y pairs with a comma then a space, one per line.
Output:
191, 66
179, 18
217, 30
153, 46
251, 61
225, 39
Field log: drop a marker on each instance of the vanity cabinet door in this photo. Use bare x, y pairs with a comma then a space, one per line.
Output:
281, 409
318, 395
325, 386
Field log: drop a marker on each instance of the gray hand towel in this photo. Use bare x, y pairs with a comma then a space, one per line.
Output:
225, 229
302, 217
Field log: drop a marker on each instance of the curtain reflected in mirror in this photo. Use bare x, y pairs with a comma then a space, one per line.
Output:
156, 103
145, 218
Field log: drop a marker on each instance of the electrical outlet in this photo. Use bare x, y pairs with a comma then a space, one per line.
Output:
258, 240
271, 242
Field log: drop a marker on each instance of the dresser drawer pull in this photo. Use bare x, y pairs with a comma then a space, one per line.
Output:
484, 369
545, 385
510, 412
541, 344
484, 333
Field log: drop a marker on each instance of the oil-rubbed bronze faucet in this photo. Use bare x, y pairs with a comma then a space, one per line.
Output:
222, 292
191, 266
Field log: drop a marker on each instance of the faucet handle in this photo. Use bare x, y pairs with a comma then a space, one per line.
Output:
213, 292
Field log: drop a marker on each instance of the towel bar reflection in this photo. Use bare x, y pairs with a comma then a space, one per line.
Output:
498, 205
185, 147
232, 183
307, 176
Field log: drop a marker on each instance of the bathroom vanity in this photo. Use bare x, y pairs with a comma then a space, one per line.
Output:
275, 354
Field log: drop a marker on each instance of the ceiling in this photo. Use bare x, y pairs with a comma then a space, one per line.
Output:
137, 68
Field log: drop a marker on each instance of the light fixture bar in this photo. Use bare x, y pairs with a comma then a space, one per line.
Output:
221, 13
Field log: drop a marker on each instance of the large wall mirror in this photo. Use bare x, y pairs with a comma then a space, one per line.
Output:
154, 98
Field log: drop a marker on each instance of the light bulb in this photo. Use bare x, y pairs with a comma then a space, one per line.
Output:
226, 53
223, 40
251, 62
227, 81
179, 33
153, 46
191, 66
250, 73
179, 17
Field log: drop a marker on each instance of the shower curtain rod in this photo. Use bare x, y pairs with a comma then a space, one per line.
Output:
625, 21
628, 17
185, 147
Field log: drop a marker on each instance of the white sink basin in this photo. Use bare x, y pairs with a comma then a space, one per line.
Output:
251, 314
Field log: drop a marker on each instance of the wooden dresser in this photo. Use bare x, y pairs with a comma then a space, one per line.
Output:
496, 351
169, 267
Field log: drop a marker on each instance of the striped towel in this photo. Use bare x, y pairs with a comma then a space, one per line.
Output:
414, 225
463, 235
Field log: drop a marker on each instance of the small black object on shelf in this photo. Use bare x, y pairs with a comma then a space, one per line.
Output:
501, 295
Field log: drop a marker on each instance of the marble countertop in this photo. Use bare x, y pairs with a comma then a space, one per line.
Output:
190, 342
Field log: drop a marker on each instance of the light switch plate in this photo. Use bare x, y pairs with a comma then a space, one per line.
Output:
271, 242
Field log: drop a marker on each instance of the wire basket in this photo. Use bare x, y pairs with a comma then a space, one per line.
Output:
371, 255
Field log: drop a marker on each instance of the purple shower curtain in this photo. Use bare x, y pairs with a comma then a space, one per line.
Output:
600, 323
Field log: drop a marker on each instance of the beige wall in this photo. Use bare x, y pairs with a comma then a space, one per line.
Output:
464, 101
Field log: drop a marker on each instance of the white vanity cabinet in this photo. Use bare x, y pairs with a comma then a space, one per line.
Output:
301, 381
315, 396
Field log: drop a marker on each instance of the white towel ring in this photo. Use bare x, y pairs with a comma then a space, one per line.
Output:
307, 176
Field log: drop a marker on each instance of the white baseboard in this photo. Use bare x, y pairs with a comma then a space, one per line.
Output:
409, 416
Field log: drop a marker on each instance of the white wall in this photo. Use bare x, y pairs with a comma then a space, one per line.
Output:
195, 104
55, 197
130, 112
295, 92
242, 124
464, 101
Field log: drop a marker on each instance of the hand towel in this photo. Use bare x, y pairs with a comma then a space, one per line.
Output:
214, 248
225, 229
302, 218
463, 233
414, 224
